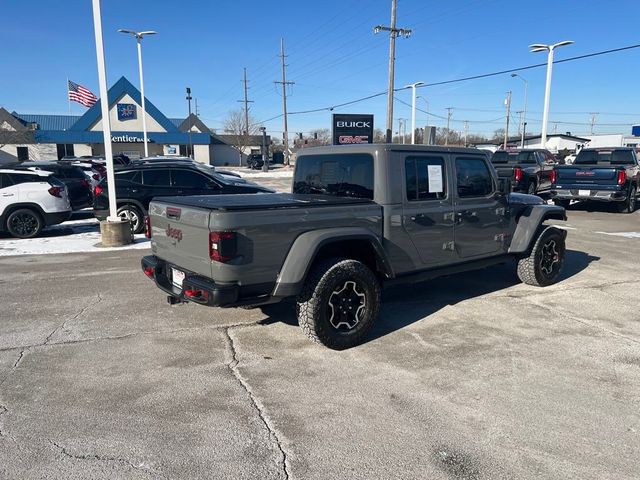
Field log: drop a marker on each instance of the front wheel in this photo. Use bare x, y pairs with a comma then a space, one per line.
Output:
339, 303
629, 205
543, 265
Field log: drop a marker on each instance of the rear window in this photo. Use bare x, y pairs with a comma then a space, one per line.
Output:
513, 158
607, 157
133, 177
156, 178
342, 175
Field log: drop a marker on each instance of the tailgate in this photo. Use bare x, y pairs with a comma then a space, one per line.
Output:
180, 235
576, 175
504, 171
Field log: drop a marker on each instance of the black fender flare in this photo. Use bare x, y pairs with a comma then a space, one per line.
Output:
305, 248
529, 223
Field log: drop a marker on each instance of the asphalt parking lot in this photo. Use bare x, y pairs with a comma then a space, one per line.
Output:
475, 376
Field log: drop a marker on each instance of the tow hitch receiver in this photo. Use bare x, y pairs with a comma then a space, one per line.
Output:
174, 300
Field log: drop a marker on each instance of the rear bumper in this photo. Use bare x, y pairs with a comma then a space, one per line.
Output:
56, 217
101, 214
212, 294
594, 195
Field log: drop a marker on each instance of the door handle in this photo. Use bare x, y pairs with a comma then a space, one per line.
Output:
135, 190
8, 194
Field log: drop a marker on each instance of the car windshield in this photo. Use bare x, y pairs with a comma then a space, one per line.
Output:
606, 157
340, 175
513, 158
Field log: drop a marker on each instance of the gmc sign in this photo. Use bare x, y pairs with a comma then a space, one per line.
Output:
352, 128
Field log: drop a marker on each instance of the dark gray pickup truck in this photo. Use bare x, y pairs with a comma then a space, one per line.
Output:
599, 175
359, 217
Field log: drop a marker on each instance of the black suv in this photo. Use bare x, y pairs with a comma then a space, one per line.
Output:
138, 183
72, 176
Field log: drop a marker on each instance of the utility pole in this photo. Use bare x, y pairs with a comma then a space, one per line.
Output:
393, 33
466, 132
189, 103
284, 84
449, 113
246, 102
197, 109
593, 120
507, 104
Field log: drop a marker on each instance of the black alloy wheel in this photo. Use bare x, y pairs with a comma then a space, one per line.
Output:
24, 223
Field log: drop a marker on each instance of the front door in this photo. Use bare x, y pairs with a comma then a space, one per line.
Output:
428, 208
479, 209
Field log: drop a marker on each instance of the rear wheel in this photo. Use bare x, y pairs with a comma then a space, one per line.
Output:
629, 205
24, 223
531, 189
543, 265
134, 215
339, 303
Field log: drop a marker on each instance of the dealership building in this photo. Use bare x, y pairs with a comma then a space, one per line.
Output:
51, 137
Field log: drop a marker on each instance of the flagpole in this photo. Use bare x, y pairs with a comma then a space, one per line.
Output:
68, 99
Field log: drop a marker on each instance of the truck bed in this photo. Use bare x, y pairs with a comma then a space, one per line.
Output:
267, 201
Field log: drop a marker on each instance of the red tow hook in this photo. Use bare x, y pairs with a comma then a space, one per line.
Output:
197, 295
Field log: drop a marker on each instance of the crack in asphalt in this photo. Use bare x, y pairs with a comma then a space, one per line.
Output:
3, 410
283, 461
75, 317
102, 458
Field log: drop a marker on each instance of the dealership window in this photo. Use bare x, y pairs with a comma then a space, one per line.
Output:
22, 153
425, 178
65, 150
185, 150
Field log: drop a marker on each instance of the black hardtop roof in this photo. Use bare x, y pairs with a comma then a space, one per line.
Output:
518, 150
394, 147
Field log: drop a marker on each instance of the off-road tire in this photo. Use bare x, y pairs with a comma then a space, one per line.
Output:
312, 305
137, 226
24, 223
530, 268
630, 204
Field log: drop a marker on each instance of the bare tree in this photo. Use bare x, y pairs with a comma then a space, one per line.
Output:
240, 133
320, 136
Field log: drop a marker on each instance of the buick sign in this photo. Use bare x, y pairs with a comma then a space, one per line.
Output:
351, 128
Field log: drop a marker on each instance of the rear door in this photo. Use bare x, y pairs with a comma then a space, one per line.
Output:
8, 192
479, 209
156, 182
188, 182
428, 208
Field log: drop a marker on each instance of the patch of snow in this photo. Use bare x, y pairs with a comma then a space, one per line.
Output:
280, 173
76, 236
622, 234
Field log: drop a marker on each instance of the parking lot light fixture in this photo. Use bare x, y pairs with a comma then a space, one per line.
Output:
550, 49
139, 36
413, 87
524, 110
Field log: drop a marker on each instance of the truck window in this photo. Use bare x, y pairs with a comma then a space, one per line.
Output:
611, 157
513, 158
425, 178
343, 175
473, 178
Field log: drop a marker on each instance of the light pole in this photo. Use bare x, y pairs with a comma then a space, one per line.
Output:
139, 36
188, 98
413, 87
540, 47
524, 111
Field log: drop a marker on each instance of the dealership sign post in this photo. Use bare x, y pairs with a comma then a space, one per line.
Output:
350, 128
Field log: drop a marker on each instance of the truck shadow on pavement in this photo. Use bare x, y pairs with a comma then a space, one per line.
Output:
407, 304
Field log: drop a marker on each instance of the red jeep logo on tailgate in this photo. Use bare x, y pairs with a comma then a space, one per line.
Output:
174, 232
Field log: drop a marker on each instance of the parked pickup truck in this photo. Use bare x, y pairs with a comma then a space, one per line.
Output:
599, 174
529, 169
360, 217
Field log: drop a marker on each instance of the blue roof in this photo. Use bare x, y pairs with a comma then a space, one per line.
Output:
48, 122
176, 121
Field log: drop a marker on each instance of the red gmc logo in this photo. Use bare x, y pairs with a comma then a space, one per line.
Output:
585, 173
343, 139
174, 232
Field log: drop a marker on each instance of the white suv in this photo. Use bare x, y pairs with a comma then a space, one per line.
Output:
30, 201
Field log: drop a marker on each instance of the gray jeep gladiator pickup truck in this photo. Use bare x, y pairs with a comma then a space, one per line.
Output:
359, 217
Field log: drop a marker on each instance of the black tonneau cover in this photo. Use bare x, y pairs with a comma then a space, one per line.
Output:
262, 201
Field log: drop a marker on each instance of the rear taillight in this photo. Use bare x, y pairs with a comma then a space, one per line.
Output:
147, 226
554, 176
517, 174
55, 191
622, 177
98, 190
223, 246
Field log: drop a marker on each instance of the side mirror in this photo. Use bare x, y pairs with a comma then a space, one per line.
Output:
504, 186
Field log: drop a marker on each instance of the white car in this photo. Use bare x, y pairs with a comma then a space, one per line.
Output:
31, 200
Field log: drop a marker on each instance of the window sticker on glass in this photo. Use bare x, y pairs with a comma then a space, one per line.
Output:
435, 179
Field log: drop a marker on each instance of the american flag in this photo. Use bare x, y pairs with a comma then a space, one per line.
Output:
78, 93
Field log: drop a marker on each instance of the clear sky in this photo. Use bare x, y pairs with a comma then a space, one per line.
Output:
333, 57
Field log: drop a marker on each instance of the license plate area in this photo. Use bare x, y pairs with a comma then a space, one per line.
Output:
177, 277
584, 193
